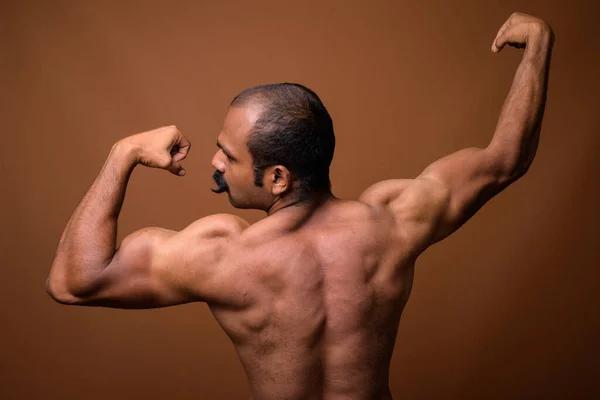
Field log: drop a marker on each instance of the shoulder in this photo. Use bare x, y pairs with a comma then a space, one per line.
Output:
217, 225
205, 243
207, 236
405, 194
212, 226
415, 205
382, 193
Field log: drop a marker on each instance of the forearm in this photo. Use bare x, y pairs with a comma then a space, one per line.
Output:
88, 242
517, 133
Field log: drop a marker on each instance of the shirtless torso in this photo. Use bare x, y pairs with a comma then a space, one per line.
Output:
320, 309
312, 295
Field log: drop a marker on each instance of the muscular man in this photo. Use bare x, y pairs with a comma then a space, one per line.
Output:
311, 296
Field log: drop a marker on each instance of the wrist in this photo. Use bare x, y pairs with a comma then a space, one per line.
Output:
541, 41
127, 151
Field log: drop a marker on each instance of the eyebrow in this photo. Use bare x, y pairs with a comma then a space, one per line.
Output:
227, 152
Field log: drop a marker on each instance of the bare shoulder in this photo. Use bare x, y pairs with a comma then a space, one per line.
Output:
206, 241
206, 256
382, 193
405, 196
217, 225
416, 206
212, 226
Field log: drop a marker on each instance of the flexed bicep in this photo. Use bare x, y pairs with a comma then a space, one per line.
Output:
156, 267
137, 276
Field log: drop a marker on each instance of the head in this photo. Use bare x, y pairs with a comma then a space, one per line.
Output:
277, 143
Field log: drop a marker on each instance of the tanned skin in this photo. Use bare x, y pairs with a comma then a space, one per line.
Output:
311, 296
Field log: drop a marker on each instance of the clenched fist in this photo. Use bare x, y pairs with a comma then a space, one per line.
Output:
521, 29
162, 148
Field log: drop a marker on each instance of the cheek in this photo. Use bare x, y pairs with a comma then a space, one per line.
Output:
242, 179
233, 175
236, 170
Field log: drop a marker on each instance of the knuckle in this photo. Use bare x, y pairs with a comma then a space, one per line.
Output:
164, 162
170, 128
538, 26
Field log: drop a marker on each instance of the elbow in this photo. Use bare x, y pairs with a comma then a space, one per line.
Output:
508, 177
509, 167
519, 172
59, 293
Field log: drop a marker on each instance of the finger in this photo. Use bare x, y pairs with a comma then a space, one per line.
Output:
514, 36
181, 147
520, 17
498, 44
501, 31
180, 155
176, 168
184, 144
501, 41
514, 20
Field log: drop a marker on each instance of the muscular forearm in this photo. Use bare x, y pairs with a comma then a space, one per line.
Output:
517, 133
88, 242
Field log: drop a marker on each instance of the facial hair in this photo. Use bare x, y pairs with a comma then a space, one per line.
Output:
220, 181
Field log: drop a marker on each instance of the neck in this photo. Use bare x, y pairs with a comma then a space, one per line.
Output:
308, 202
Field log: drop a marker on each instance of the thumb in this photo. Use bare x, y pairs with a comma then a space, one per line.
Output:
499, 43
515, 36
176, 168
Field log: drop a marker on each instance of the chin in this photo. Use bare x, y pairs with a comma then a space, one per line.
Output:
241, 204
233, 202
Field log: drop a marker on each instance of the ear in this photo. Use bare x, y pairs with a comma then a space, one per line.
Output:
280, 179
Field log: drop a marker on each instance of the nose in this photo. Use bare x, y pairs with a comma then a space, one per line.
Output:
217, 162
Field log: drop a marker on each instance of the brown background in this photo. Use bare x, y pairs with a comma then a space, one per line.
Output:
507, 308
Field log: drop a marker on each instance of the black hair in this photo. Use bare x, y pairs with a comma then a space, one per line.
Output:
294, 129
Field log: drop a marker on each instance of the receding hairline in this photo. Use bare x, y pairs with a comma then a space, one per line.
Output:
259, 101
272, 91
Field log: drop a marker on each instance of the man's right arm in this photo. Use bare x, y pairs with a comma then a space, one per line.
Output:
452, 189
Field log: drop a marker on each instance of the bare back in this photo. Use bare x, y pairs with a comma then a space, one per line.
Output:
311, 297
326, 292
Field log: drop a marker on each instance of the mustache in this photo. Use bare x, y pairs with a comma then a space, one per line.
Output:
220, 181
